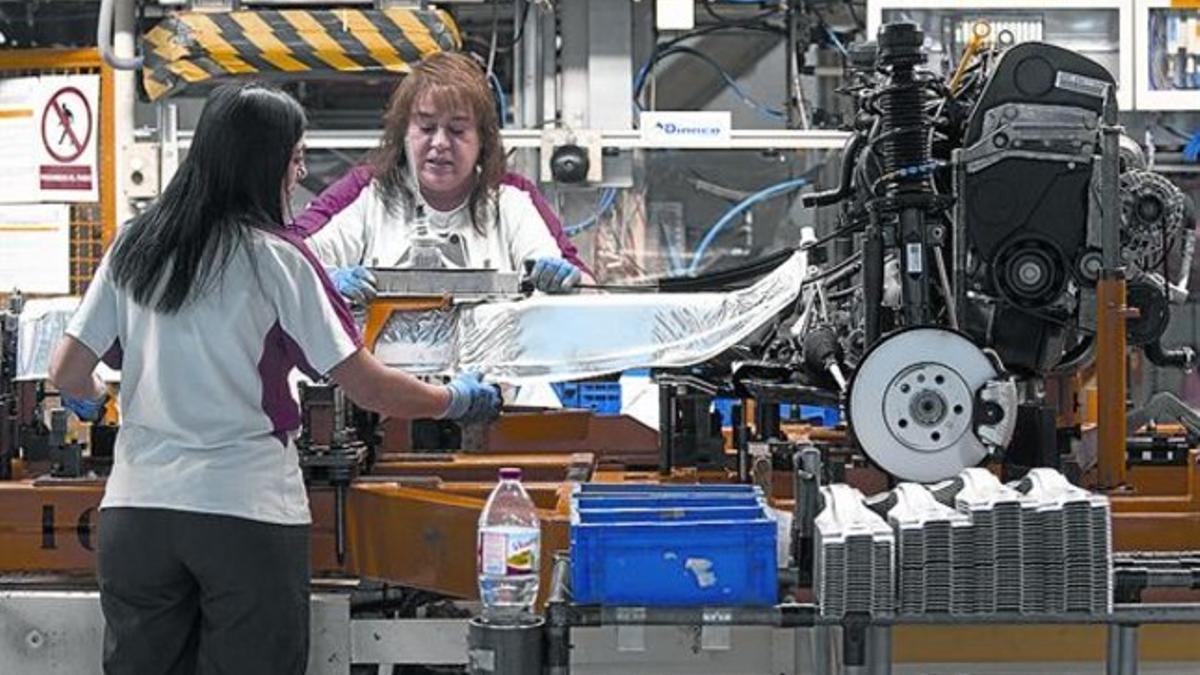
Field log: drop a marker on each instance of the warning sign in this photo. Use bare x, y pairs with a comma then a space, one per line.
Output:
51, 125
67, 118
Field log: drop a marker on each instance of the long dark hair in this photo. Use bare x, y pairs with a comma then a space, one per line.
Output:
229, 183
455, 81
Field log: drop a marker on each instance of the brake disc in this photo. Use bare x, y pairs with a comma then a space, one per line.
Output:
912, 403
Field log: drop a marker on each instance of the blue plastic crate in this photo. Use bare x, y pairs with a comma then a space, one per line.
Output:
669, 500
651, 496
602, 398
668, 514
820, 415
689, 545
651, 489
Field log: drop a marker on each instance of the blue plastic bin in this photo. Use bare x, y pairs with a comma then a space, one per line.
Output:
644, 496
820, 415
602, 398
666, 500
668, 514
650, 489
694, 545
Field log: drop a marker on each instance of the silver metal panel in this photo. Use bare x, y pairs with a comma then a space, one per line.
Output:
329, 651
50, 633
409, 641
610, 68
460, 283
573, 18
679, 650
61, 632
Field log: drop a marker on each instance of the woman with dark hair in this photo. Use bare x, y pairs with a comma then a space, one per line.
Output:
206, 302
438, 198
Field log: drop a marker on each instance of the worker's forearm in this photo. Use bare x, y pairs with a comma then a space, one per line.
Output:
88, 387
388, 391
407, 397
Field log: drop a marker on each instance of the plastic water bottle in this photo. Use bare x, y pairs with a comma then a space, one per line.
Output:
509, 547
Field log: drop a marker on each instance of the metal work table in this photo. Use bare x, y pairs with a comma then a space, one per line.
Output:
866, 639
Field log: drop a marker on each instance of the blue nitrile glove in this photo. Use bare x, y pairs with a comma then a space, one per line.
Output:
354, 282
555, 275
86, 409
472, 400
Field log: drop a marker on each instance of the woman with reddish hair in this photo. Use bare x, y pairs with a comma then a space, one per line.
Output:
438, 195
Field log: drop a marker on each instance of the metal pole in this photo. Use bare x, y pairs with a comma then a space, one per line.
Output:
558, 627
879, 650
124, 94
822, 637
1122, 649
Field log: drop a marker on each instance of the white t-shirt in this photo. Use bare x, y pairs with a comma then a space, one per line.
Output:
208, 421
364, 233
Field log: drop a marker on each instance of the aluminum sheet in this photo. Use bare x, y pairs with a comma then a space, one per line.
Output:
555, 338
40, 326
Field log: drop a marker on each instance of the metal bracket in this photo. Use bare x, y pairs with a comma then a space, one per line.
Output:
631, 638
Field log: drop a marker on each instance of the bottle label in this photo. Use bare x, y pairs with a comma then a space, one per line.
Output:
509, 553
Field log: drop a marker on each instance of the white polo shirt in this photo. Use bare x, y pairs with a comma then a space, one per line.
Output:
365, 233
208, 420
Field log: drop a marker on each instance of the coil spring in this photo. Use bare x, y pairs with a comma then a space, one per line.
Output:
903, 139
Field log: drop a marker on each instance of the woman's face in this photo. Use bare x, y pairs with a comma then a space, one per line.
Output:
297, 169
443, 146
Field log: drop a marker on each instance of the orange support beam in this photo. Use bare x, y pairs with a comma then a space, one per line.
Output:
1110, 380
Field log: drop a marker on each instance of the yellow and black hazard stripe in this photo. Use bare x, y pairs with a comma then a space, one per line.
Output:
191, 47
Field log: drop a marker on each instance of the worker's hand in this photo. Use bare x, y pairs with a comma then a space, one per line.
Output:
86, 409
555, 275
472, 400
355, 282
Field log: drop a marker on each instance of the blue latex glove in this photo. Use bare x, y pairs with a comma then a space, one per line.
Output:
472, 400
555, 275
354, 282
86, 409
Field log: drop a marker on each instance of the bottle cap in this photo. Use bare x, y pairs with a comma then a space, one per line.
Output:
510, 473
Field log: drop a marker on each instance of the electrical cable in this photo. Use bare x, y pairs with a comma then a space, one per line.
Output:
727, 279
520, 30
760, 196
834, 39
501, 99
604, 202
665, 46
705, 30
640, 81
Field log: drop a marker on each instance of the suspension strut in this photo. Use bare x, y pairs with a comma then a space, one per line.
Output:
903, 195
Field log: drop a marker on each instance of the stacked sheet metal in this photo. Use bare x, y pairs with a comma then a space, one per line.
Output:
855, 556
1076, 545
995, 513
1040, 545
930, 540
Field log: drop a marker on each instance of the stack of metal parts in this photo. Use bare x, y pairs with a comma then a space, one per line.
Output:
1076, 552
997, 547
855, 556
972, 545
931, 577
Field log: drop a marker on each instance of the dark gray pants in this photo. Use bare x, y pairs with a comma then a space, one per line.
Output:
191, 593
